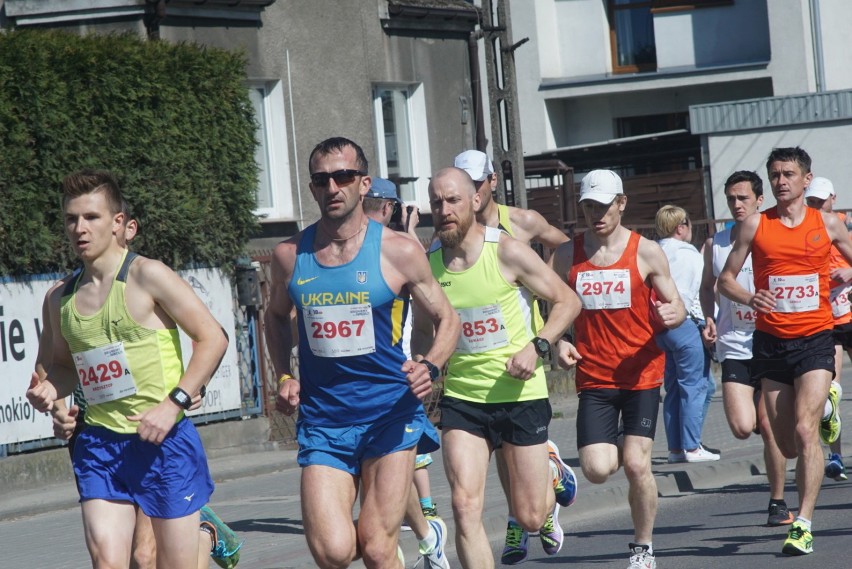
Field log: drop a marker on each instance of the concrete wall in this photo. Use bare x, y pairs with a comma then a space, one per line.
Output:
827, 146
835, 23
584, 119
792, 64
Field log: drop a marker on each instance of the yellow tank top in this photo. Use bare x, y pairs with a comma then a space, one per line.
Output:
123, 368
505, 223
496, 323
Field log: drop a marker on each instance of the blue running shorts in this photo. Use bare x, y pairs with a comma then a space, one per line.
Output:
345, 448
170, 480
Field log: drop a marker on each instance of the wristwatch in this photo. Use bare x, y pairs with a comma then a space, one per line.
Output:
434, 371
542, 347
181, 398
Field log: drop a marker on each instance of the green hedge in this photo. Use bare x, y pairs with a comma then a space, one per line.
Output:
174, 122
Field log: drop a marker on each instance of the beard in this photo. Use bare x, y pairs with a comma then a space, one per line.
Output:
451, 238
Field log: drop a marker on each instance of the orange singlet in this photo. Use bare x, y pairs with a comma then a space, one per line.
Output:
839, 295
793, 264
614, 333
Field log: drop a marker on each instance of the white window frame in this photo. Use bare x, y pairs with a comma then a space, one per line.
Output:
274, 141
418, 142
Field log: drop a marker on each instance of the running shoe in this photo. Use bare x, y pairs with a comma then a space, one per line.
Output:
551, 534
799, 540
829, 428
430, 513
435, 558
517, 545
641, 558
226, 545
564, 480
779, 515
835, 469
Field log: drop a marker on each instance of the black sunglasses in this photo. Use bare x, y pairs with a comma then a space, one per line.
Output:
341, 177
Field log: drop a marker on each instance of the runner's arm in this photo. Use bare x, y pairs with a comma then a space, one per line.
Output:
669, 305
279, 326
727, 282
521, 264
430, 306
534, 224
174, 295
839, 236
707, 293
54, 377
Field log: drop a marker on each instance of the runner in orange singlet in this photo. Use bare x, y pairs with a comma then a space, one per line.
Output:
820, 195
617, 274
793, 348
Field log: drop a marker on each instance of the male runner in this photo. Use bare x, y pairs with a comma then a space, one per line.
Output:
526, 226
117, 335
216, 539
731, 332
628, 295
793, 346
495, 393
379, 205
820, 195
361, 420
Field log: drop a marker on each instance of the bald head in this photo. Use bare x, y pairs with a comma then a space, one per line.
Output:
455, 177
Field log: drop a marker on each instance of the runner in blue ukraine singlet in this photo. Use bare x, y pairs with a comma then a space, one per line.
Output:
350, 338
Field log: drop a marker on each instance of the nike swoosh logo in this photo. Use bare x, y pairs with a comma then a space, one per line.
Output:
189, 498
300, 282
409, 430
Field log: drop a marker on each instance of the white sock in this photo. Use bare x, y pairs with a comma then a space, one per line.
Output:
428, 543
804, 521
826, 410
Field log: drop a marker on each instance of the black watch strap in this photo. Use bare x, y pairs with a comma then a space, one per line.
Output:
434, 371
180, 398
542, 347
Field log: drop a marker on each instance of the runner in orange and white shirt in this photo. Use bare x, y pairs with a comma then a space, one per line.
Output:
793, 348
820, 195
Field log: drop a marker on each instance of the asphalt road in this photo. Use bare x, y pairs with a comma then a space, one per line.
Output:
717, 528
697, 529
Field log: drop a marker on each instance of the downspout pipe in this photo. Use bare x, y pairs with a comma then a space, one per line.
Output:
816, 40
476, 88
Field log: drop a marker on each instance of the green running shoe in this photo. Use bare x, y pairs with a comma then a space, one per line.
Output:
829, 428
516, 548
226, 544
799, 540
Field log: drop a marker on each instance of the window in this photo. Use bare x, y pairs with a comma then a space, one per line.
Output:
632, 36
402, 140
274, 196
650, 124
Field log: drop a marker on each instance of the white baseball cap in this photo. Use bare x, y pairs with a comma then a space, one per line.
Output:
820, 188
475, 163
601, 186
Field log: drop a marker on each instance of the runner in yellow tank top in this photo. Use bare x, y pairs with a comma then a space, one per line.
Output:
163, 443
525, 225
487, 404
